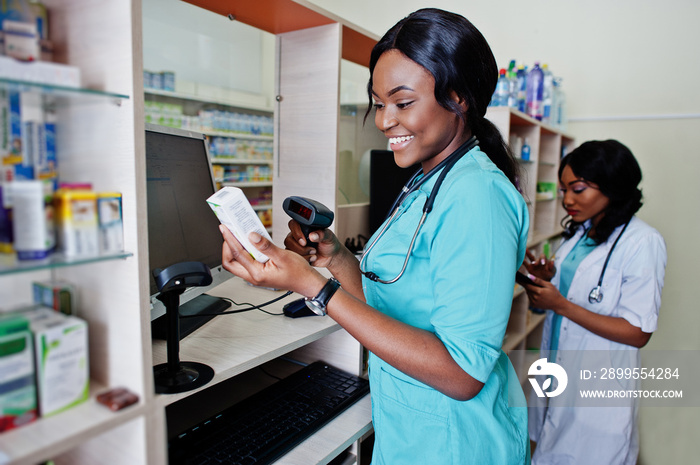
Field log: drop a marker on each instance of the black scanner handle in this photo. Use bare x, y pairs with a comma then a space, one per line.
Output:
311, 215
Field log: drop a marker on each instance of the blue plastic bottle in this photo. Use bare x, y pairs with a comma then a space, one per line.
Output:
500, 98
521, 85
525, 151
512, 85
535, 86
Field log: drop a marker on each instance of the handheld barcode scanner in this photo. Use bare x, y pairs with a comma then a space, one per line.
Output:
310, 214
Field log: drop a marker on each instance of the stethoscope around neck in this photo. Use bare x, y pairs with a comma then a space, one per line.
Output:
596, 294
412, 186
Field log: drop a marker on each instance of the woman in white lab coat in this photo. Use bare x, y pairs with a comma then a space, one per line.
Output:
599, 181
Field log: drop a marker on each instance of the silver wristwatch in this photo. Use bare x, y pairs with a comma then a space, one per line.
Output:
318, 304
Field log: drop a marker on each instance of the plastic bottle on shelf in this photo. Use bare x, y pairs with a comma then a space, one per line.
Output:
512, 85
561, 105
521, 84
535, 85
525, 150
511, 68
500, 96
556, 91
547, 94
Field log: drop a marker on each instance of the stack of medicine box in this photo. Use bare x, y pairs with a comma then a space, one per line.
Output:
44, 365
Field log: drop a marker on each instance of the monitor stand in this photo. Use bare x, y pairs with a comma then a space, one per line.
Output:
203, 304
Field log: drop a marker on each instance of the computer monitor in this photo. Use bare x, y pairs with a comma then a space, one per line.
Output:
386, 179
181, 226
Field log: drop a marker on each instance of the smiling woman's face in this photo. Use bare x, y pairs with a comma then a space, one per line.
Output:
418, 127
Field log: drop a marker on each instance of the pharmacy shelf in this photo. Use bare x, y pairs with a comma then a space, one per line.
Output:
54, 435
248, 184
9, 264
72, 94
547, 145
240, 161
210, 100
515, 338
237, 135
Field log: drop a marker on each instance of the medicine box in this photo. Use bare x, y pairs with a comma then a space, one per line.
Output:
18, 397
57, 295
76, 222
47, 73
546, 190
234, 211
109, 218
62, 370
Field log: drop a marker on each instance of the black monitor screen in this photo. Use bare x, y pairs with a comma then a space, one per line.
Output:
181, 226
386, 179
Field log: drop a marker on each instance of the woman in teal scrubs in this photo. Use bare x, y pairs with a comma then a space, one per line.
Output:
431, 297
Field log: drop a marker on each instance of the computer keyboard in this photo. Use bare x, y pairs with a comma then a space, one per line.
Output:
263, 427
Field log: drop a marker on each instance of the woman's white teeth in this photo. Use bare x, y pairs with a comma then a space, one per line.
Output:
398, 140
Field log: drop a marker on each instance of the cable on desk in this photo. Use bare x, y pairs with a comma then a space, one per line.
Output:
249, 308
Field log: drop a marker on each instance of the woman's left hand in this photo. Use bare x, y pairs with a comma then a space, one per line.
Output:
285, 269
544, 294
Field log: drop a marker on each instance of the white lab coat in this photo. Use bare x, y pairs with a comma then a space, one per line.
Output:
631, 288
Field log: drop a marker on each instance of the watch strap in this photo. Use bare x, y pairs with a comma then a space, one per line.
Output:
324, 296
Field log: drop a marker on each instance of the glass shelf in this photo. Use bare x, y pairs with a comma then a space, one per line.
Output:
241, 161
10, 265
61, 92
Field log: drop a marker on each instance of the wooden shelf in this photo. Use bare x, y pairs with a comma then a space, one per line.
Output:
240, 161
233, 344
514, 339
46, 437
206, 99
546, 147
238, 135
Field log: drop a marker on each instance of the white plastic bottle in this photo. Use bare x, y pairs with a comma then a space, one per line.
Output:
556, 91
547, 94
535, 85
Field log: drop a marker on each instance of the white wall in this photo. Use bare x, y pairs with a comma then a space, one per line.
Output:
629, 70
206, 48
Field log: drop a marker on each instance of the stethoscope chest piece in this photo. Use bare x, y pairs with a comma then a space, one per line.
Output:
596, 295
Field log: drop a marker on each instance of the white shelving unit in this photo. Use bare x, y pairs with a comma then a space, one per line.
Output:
249, 165
99, 140
547, 146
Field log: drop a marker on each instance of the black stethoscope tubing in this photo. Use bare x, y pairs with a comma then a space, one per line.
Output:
596, 294
410, 187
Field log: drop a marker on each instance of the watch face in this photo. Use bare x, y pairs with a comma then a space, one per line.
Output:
316, 307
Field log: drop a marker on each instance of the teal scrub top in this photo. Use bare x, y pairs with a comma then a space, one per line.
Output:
567, 270
459, 285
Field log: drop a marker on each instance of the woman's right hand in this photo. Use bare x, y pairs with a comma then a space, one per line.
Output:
328, 245
540, 267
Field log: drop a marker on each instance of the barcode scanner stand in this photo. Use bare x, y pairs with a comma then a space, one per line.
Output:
176, 376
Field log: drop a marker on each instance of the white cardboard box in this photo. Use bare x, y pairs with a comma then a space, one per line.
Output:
40, 72
62, 370
234, 211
